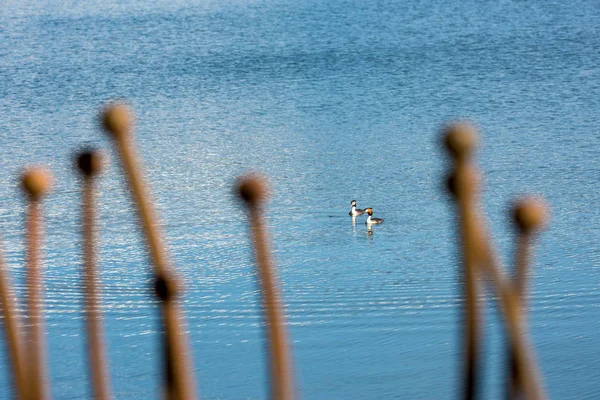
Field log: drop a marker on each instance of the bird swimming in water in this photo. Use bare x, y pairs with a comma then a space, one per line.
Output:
370, 220
355, 212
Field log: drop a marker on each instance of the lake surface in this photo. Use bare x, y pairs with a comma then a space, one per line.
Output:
334, 101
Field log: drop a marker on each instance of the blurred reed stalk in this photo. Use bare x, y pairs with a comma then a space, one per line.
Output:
90, 165
460, 139
36, 183
517, 335
179, 383
254, 193
12, 331
529, 216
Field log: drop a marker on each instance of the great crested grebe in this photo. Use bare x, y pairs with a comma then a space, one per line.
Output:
355, 212
370, 220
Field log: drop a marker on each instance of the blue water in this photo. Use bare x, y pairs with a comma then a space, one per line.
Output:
334, 101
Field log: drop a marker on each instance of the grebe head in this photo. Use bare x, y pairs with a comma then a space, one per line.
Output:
369, 211
353, 203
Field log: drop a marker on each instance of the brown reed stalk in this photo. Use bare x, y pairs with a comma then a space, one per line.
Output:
509, 303
529, 215
179, 384
254, 192
36, 183
12, 331
460, 139
90, 165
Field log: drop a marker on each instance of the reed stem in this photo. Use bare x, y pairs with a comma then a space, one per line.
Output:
529, 216
460, 141
517, 335
253, 192
12, 331
473, 315
490, 266
36, 183
179, 384
89, 164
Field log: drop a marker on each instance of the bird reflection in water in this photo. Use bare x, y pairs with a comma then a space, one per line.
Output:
369, 228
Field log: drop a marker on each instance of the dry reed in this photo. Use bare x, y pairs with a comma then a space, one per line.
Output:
179, 384
529, 216
90, 165
253, 191
460, 140
12, 331
36, 183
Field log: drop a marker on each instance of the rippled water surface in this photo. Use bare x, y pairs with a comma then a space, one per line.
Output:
334, 101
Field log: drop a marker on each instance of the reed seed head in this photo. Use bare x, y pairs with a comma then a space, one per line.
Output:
117, 120
36, 182
460, 139
90, 162
165, 287
530, 214
252, 189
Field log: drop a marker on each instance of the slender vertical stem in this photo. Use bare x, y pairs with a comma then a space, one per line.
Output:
12, 329
253, 192
179, 384
460, 140
529, 216
490, 265
176, 374
473, 317
36, 182
517, 335
35, 333
519, 287
88, 163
